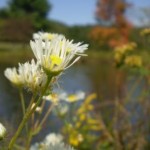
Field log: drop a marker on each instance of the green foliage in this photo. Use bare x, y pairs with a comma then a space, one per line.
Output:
80, 33
55, 26
9, 29
106, 146
23, 7
35, 10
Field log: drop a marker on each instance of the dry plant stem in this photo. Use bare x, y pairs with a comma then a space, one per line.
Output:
17, 147
27, 116
38, 126
133, 88
42, 106
46, 115
115, 120
104, 127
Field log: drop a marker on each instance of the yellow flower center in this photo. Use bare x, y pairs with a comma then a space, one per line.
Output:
72, 98
50, 36
55, 61
16, 80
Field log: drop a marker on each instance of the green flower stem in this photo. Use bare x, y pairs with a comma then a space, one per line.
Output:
32, 119
42, 107
23, 106
27, 116
29, 141
32, 101
22, 101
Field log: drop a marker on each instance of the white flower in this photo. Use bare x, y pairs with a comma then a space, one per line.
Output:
34, 77
51, 142
64, 96
58, 146
13, 75
28, 75
80, 95
57, 54
46, 36
61, 109
80, 137
2, 131
53, 139
52, 98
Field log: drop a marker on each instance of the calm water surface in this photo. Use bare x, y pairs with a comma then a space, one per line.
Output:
96, 76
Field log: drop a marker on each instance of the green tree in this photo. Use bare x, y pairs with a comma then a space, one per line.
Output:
26, 15
33, 10
39, 8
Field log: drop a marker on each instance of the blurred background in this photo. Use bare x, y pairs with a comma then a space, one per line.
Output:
104, 25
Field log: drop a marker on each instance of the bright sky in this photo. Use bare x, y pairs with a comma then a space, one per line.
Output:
80, 12
73, 11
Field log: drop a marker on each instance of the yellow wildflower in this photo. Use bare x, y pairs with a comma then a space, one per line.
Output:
82, 117
133, 61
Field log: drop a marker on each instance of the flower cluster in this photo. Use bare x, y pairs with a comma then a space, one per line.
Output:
57, 54
53, 52
121, 51
51, 142
63, 101
67, 97
28, 75
124, 55
83, 124
46, 36
133, 61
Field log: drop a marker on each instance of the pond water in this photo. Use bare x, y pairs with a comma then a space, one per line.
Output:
95, 76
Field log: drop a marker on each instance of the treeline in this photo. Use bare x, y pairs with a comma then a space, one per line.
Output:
21, 30
21, 18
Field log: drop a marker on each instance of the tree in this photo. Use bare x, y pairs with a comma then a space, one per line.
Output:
28, 7
33, 10
112, 13
27, 15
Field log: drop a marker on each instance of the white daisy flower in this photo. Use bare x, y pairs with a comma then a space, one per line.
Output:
64, 96
53, 139
2, 131
13, 75
46, 36
52, 98
33, 75
80, 95
58, 146
57, 54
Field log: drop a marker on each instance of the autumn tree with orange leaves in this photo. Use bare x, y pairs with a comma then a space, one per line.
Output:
114, 27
